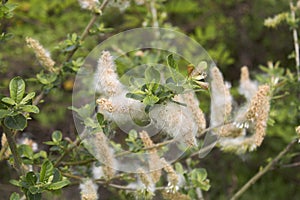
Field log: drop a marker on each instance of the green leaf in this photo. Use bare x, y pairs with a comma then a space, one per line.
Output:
171, 62
34, 190
31, 178
100, 119
14, 196
132, 135
30, 108
15, 183
17, 89
31, 196
58, 185
40, 154
84, 111
17, 122
49, 143
89, 122
138, 97
46, 171
199, 174
150, 100
174, 88
199, 178
46, 78
56, 136
26, 151
56, 176
9, 101
179, 168
28, 97
4, 113
152, 75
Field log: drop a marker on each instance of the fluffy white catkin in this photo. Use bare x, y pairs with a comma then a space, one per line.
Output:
247, 87
88, 190
220, 99
106, 79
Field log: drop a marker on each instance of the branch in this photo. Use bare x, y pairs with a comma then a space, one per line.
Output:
159, 145
104, 183
264, 170
296, 43
13, 147
153, 11
82, 37
38, 98
80, 162
296, 164
67, 151
88, 27
155, 146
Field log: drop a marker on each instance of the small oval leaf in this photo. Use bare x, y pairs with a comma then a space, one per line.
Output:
4, 113
27, 97
30, 109
58, 185
17, 89
46, 171
16, 122
8, 100
56, 136
152, 75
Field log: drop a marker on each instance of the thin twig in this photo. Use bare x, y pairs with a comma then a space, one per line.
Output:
82, 37
88, 27
38, 98
296, 164
81, 162
154, 14
159, 145
295, 37
156, 146
263, 171
71, 176
13, 147
67, 151
102, 182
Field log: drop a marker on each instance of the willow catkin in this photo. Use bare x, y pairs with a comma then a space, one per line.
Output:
121, 108
88, 190
220, 101
154, 159
145, 179
173, 178
42, 54
98, 144
298, 130
106, 79
230, 130
237, 145
253, 116
258, 112
175, 120
247, 87
88, 4
175, 195
105, 105
193, 104
4, 144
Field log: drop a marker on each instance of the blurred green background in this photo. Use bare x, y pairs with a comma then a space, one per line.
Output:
233, 33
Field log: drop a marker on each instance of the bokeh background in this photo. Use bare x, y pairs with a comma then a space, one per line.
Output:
233, 33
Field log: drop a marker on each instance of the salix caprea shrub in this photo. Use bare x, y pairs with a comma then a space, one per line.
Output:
167, 94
